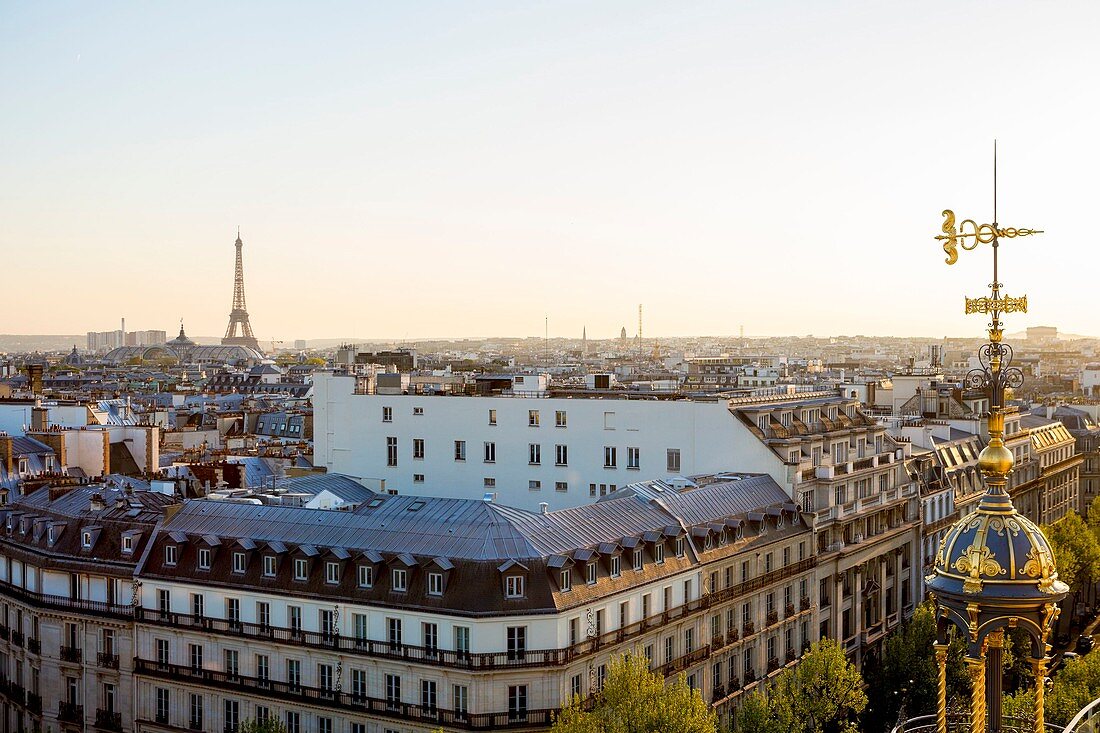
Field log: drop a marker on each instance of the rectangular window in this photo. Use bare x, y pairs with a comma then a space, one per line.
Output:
435, 584
387, 414
672, 460
164, 601
562, 486
198, 605
359, 626
561, 455
534, 454
294, 618
565, 580
359, 684
418, 478
195, 653
391, 451
263, 667
162, 652
263, 613
170, 555
232, 662
517, 643
461, 695
164, 705
633, 457
533, 418
427, 695
238, 562
233, 610
293, 673
293, 722
462, 640
492, 417
590, 573
269, 566
615, 566
560, 419
490, 452
679, 547
460, 450
418, 449
400, 582
300, 568
659, 553
196, 712
517, 702
637, 558
324, 676
366, 576
332, 572
430, 632
204, 558
324, 725
534, 485
418, 411
609, 456
513, 586
393, 690
393, 631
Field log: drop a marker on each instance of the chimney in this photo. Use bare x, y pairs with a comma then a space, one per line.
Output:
543, 507
40, 418
34, 373
7, 452
96, 503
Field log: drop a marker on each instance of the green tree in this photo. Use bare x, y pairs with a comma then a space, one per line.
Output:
270, 724
822, 694
1076, 550
635, 700
1094, 517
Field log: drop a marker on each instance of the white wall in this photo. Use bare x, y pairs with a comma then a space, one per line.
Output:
350, 437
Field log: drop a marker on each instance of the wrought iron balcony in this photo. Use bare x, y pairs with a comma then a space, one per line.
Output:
107, 661
108, 720
17, 638
34, 646
71, 654
748, 629
788, 610
773, 617
68, 712
34, 703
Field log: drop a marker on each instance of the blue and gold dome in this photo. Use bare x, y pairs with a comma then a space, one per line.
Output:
996, 553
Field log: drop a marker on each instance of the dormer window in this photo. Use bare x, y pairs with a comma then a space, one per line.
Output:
204, 558
366, 576
7, 523
170, 555
49, 535
638, 559
127, 543
679, 547
616, 566
708, 543
514, 586
566, 580
85, 538
659, 553
332, 573
435, 584
22, 526
590, 573
400, 580
269, 566
299, 568
238, 562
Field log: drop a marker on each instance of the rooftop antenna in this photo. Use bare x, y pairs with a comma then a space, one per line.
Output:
639, 321
546, 341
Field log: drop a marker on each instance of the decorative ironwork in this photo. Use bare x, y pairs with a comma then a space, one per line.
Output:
989, 305
954, 237
996, 372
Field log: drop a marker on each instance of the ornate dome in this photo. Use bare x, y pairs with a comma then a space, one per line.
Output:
996, 553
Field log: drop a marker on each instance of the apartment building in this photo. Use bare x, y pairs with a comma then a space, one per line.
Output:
407, 614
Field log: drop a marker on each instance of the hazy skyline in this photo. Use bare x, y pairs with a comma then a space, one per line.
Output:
441, 170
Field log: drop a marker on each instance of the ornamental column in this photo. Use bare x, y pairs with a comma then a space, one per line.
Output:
941, 690
994, 673
1039, 667
976, 667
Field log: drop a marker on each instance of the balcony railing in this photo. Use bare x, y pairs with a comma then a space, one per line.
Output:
45, 600
788, 610
467, 660
301, 694
773, 617
107, 661
17, 638
108, 720
34, 646
34, 703
68, 712
71, 654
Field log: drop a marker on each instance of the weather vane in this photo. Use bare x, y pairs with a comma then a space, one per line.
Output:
996, 373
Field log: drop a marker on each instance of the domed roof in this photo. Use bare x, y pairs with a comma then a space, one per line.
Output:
996, 553
181, 340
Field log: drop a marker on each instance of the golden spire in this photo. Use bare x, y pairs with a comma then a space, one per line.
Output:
996, 373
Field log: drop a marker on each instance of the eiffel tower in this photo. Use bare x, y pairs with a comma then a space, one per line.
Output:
239, 315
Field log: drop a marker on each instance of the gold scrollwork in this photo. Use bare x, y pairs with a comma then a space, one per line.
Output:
978, 561
988, 305
954, 237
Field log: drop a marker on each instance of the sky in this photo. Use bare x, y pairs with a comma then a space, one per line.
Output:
416, 170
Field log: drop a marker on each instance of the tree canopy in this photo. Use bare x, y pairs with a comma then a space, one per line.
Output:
635, 700
823, 693
1076, 549
269, 724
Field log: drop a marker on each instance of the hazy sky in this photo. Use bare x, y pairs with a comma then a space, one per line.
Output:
403, 170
